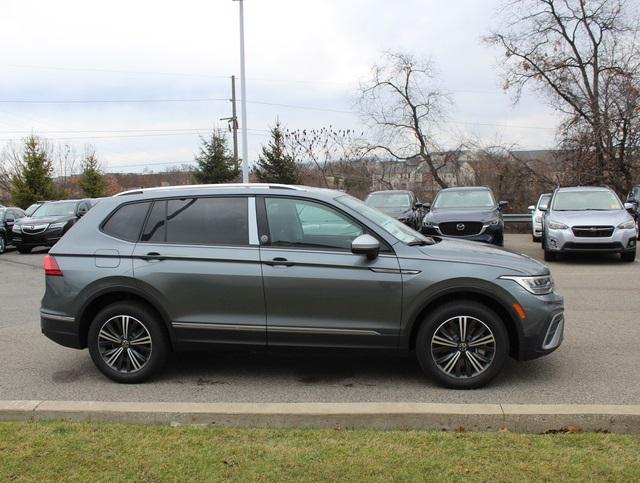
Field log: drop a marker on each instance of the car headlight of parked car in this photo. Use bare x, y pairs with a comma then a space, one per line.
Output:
430, 224
538, 219
55, 226
17, 229
537, 285
494, 222
554, 225
627, 225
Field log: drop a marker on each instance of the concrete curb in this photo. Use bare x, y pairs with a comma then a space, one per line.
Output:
424, 416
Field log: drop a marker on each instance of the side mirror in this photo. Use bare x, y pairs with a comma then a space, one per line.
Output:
502, 205
426, 206
418, 205
366, 245
543, 207
82, 212
630, 207
531, 208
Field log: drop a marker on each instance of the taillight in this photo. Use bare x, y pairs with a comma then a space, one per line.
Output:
51, 267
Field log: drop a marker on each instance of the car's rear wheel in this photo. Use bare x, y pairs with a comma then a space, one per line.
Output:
127, 342
22, 249
628, 256
462, 345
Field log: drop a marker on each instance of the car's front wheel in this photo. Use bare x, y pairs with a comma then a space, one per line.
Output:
23, 249
127, 342
462, 345
628, 256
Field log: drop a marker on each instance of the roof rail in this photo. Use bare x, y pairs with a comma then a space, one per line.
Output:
138, 191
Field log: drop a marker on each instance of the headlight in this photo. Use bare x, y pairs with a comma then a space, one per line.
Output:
540, 285
539, 219
55, 226
627, 225
554, 225
430, 224
17, 229
494, 222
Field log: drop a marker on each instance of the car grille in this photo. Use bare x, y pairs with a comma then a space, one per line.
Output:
33, 229
460, 228
593, 231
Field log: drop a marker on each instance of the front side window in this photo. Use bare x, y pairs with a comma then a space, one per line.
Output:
199, 221
127, 221
586, 201
299, 223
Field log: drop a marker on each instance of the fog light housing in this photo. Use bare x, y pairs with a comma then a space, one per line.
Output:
632, 243
553, 243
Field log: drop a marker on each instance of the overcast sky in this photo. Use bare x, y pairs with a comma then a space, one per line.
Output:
307, 54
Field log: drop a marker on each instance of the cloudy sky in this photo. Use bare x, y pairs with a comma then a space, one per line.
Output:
65, 64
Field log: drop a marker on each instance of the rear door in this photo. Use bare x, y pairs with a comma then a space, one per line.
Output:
317, 292
200, 258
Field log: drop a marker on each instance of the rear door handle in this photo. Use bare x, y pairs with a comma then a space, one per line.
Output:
152, 256
280, 262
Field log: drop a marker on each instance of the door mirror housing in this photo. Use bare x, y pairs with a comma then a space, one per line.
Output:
502, 205
531, 208
543, 207
426, 206
366, 245
630, 207
418, 205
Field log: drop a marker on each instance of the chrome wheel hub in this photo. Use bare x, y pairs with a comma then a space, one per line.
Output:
124, 343
463, 347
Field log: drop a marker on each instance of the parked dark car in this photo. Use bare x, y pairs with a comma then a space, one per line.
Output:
400, 204
48, 223
470, 213
8, 217
182, 268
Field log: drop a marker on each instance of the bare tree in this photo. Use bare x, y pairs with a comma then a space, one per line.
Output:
401, 102
583, 56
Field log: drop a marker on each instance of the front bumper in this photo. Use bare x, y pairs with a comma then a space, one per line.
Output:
47, 238
566, 241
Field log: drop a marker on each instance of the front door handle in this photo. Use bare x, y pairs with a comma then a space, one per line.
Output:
152, 256
280, 262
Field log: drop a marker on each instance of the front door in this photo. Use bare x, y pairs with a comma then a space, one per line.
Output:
317, 292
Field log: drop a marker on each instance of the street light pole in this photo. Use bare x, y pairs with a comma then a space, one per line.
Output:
243, 100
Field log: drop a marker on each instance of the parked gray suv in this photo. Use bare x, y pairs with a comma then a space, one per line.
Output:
171, 269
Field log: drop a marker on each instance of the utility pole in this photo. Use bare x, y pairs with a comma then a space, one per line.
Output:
243, 100
233, 120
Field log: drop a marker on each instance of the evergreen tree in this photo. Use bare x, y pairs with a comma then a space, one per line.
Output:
92, 181
215, 163
33, 180
274, 164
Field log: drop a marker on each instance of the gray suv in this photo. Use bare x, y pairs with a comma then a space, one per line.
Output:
181, 268
588, 220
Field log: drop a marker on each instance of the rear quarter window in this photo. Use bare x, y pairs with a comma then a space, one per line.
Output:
126, 222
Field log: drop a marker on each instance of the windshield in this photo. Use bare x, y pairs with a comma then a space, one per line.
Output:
29, 211
389, 200
585, 201
464, 199
392, 226
62, 208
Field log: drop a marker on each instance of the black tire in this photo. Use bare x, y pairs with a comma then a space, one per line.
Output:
22, 249
99, 348
3, 244
427, 349
536, 239
549, 256
628, 256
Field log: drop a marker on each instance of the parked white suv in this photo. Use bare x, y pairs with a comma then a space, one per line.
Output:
588, 220
536, 216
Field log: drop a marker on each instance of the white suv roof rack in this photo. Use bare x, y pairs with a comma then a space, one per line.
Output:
217, 186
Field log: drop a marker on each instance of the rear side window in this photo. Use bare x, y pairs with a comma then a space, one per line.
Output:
199, 221
127, 221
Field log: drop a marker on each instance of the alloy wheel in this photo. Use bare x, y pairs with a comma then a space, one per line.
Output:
124, 343
463, 347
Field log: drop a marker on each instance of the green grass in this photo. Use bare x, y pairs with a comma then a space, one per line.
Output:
74, 451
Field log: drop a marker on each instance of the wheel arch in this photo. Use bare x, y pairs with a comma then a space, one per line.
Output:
496, 303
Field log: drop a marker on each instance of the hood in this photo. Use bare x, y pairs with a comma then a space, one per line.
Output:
44, 220
467, 214
603, 218
395, 211
484, 254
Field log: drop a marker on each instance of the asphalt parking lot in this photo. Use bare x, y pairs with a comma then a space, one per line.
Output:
597, 364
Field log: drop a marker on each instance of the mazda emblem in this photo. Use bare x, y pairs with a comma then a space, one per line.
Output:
460, 226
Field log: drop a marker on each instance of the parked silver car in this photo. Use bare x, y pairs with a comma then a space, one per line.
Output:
180, 268
588, 220
537, 212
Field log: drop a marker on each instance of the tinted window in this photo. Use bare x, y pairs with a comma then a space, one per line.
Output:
307, 224
127, 222
154, 230
200, 221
